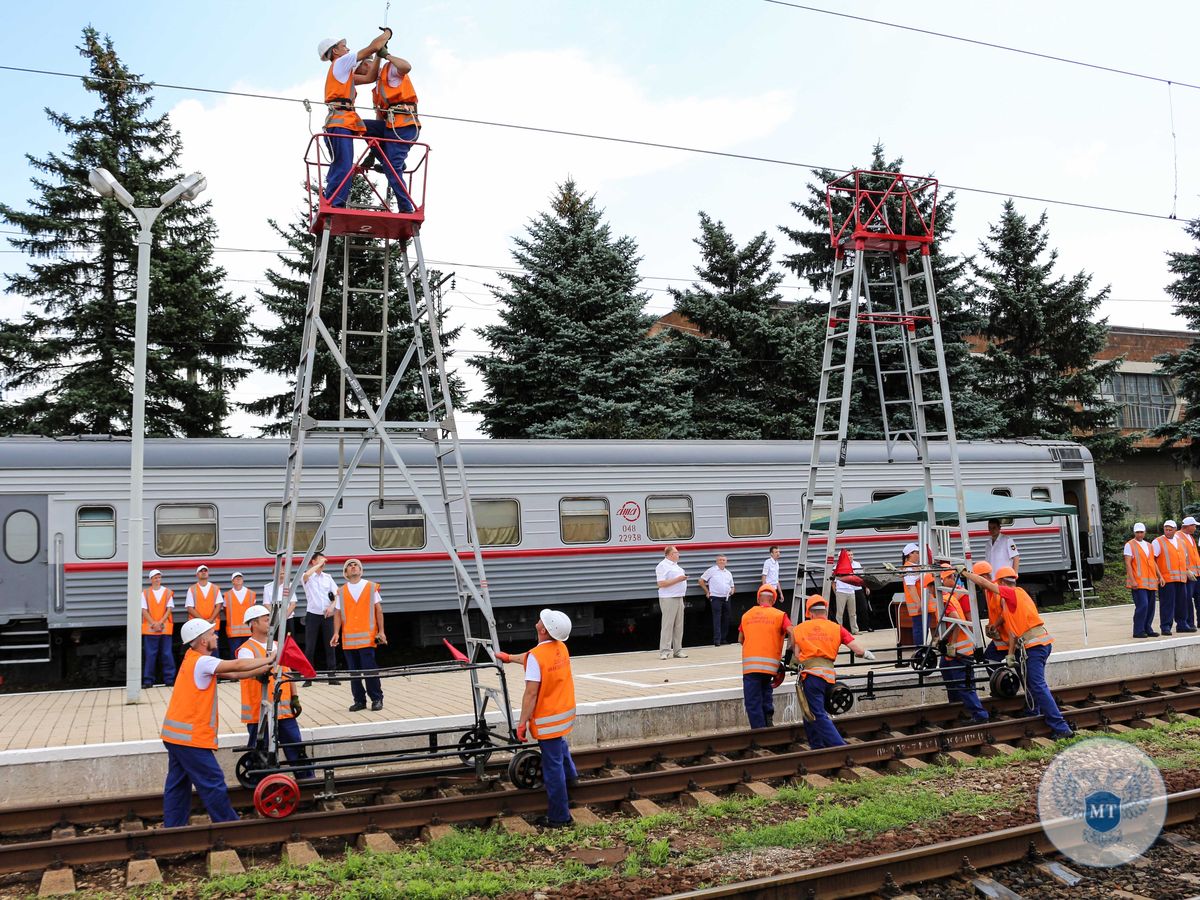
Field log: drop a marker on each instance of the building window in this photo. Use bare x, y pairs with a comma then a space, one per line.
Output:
1042, 495
396, 525
748, 515
1145, 399
669, 518
185, 530
308, 519
583, 520
95, 532
21, 536
497, 522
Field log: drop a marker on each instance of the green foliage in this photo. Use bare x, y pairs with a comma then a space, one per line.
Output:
1184, 367
659, 852
1166, 501
67, 361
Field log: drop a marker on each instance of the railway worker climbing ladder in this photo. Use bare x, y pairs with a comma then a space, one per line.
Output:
238, 599
763, 633
258, 618
815, 643
1141, 577
358, 627
158, 605
1029, 637
957, 662
189, 729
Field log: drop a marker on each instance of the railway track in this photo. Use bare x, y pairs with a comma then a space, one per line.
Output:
404, 802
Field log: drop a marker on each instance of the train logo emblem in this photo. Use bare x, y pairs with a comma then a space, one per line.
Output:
630, 511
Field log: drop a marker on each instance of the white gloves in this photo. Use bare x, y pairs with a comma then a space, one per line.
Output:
869, 656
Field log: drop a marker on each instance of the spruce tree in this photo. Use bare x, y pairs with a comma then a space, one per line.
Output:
571, 355
1184, 367
749, 374
67, 362
277, 348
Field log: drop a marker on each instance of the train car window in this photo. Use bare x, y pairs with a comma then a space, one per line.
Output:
1003, 492
669, 518
185, 530
748, 515
887, 495
1042, 495
583, 520
21, 536
95, 532
397, 525
308, 518
498, 522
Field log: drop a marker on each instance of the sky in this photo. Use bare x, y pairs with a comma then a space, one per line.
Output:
748, 77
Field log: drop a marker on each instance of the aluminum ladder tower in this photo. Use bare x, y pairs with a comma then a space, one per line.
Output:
877, 220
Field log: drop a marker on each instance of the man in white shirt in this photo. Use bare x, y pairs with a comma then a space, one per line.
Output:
717, 582
672, 585
319, 593
158, 607
847, 605
1002, 551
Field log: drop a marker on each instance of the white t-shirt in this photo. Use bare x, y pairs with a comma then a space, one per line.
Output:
205, 671
240, 594
842, 587
1002, 552
719, 581
268, 597
771, 571
245, 652
317, 590
1174, 539
157, 596
344, 66
665, 571
191, 595
356, 592
533, 669
1145, 548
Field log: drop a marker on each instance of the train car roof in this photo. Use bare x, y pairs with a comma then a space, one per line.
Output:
239, 453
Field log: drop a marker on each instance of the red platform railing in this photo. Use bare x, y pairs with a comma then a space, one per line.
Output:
881, 210
372, 165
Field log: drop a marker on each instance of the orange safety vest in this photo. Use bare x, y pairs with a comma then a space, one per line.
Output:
235, 609
358, 617
191, 718
1191, 554
762, 644
1172, 562
157, 608
554, 712
1145, 575
252, 690
996, 618
958, 639
1022, 619
205, 603
339, 97
818, 639
912, 598
385, 97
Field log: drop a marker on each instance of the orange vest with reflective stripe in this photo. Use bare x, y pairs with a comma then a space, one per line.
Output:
912, 598
205, 603
818, 639
554, 711
157, 608
385, 96
1172, 563
1024, 617
958, 639
191, 719
234, 611
252, 689
996, 618
762, 644
358, 617
1145, 574
1191, 554
342, 94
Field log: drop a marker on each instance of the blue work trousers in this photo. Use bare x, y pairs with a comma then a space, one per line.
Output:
363, 659
1037, 692
760, 698
821, 731
721, 616
1143, 611
342, 151
289, 734
960, 688
396, 154
156, 648
557, 769
1185, 616
992, 653
1170, 595
187, 766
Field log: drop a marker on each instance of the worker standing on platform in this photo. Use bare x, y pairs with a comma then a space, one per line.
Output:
957, 663
189, 730
358, 627
770, 570
1187, 536
158, 605
1141, 577
762, 634
1171, 559
238, 599
204, 599
1002, 551
1029, 635
259, 620
998, 643
320, 592
548, 711
672, 585
815, 643
396, 119
717, 582
342, 119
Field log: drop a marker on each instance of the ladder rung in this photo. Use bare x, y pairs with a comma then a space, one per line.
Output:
45, 646
915, 276
349, 333
897, 402
357, 290
925, 371
834, 368
362, 377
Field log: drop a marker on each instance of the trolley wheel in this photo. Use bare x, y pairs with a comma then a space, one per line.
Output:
1005, 683
525, 770
839, 700
924, 659
474, 744
277, 796
250, 761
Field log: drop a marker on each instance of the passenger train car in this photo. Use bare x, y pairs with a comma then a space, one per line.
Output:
577, 524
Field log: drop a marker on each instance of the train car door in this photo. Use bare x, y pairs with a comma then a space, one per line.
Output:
24, 566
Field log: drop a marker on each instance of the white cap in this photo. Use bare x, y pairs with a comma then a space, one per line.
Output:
193, 628
1170, 522
324, 46
352, 559
1139, 526
1190, 520
201, 566
558, 624
153, 572
236, 575
910, 547
254, 612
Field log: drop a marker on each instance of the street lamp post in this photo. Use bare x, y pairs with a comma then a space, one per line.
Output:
107, 186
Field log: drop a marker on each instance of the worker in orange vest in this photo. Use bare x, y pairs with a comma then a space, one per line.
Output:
1030, 637
919, 603
957, 662
816, 642
762, 634
997, 647
189, 729
358, 627
1141, 577
158, 604
204, 600
548, 710
258, 619
238, 599
395, 121
1187, 534
1170, 556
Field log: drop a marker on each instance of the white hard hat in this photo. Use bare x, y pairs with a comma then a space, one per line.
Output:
1190, 520
1139, 526
326, 45
910, 547
255, 612
347, 563
153, 572
193, 628
558, 624
1170, 522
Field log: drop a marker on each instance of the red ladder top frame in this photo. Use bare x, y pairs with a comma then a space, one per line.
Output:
881, 211
377, 223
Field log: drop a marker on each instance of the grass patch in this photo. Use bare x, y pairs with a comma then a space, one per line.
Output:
1110, 590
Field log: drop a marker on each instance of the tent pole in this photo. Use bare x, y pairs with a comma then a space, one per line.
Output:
1073, 523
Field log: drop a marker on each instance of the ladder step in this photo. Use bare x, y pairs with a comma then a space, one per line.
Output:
368, 377
358, 290
350, 333
916, 276
907, 402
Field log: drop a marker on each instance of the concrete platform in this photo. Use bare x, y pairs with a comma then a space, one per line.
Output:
57, 744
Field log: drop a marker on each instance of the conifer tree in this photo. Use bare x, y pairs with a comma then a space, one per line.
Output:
571, 355
1184, 367
66, 364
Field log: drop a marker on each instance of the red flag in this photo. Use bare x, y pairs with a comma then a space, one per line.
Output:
293, 657
454, 651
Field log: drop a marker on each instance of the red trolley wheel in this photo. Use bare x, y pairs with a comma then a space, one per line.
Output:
277, 796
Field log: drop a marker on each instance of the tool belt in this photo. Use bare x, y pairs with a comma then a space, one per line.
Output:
339, 105
401, 109
1036, 631
816, 662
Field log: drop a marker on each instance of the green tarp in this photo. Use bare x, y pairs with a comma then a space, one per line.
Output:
909, 509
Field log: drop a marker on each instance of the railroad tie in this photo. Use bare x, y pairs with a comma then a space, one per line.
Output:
1060, 873
698, 798
905, 765
641, 807
813, 780
141, 872
997, 749
756, 789
376, 842
584, 816
224, 862
430, 833
300, 853
516, 826
57, 882
1179, 842
992, 889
